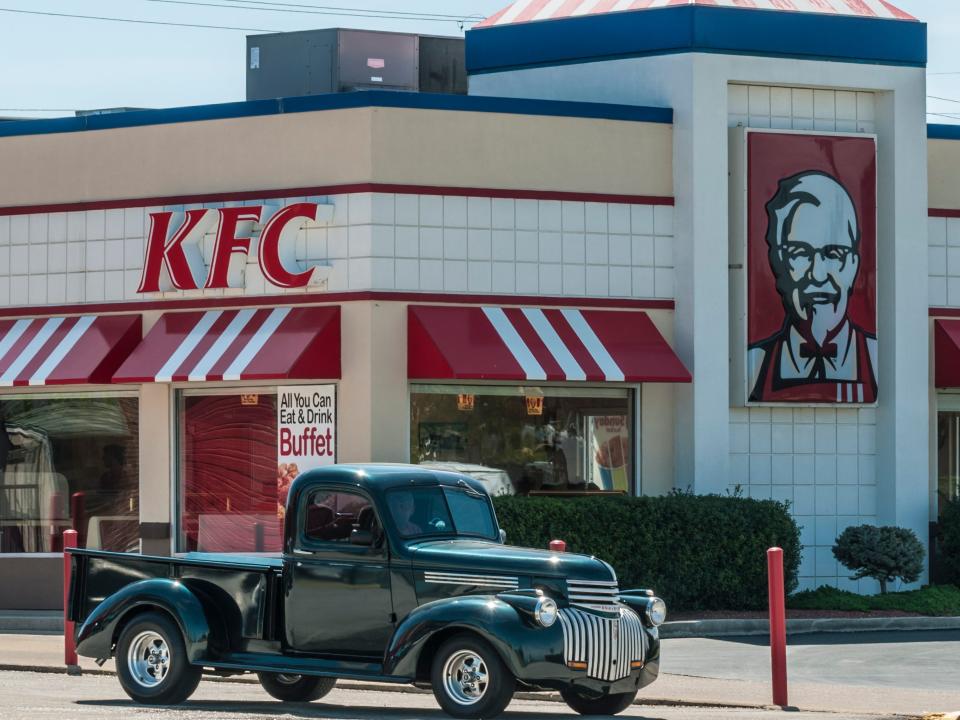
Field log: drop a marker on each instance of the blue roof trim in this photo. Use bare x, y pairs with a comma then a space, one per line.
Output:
339, 101
943, 132
695, 28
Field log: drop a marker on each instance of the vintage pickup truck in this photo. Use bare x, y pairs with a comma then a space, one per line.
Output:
396, 574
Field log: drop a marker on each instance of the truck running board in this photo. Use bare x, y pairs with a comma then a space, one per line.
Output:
347, 669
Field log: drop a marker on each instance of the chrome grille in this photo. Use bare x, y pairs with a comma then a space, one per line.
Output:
607, 645
602, 595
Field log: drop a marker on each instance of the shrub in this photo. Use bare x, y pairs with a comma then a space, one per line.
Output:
950, 541
882, 553
699, 552
943, 600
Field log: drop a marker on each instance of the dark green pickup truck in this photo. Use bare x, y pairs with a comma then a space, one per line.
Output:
396, 574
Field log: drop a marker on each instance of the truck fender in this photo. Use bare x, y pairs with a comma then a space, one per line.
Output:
521, 643
96, 636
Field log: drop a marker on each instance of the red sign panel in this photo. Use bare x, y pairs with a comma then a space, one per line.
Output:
811, 268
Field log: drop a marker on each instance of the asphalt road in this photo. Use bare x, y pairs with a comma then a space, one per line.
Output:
39, 696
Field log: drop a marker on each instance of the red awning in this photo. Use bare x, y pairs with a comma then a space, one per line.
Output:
246, 344
946, 346
65, 350
493, 343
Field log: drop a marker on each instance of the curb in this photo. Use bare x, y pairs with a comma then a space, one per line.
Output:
396, 688
42, 623
29, 622
742, 628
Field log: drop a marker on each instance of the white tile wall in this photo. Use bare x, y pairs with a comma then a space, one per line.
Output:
943, 237
820, 460
376, 241
785, 108
823, 462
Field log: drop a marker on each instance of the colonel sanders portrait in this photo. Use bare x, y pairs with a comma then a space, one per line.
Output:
819, 354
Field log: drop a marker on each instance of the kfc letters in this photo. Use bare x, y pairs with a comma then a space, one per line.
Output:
173, 243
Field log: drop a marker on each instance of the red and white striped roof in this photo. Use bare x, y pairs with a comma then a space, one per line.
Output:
245, 344
86, 349
530, 10
494, 343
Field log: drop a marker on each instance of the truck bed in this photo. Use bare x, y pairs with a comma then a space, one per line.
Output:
242, 590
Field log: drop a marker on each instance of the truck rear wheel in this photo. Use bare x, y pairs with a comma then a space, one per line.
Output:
296, 688
611, 704
469, 679
152, 663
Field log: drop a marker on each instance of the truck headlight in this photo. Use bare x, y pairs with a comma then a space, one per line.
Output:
656, 612
545, 611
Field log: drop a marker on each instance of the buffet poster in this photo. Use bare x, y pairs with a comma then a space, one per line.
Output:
306, 433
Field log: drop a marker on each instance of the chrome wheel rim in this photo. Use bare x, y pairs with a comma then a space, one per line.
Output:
287, 679
148, 659
465, 677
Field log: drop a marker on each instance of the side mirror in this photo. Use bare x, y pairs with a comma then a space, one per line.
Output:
361, 537
503, 536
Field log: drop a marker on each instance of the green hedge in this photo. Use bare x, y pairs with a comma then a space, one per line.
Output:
698, 552
950, 542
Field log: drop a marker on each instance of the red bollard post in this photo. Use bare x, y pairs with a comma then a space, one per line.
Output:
69, 643
778, 625
558, 546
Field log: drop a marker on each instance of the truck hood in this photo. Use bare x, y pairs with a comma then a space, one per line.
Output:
487, 557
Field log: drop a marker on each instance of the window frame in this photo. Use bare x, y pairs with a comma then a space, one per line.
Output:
58, 393
632, 393
304, 544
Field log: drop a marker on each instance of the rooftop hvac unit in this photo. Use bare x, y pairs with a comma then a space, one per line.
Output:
313, 62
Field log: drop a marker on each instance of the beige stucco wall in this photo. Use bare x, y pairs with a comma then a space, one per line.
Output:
943, 158
489, 150
335, 147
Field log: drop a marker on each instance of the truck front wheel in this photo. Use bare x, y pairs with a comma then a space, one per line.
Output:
611, 704
469, 679
152, 663
296, 688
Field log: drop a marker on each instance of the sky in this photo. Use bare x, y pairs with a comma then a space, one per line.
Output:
54, 65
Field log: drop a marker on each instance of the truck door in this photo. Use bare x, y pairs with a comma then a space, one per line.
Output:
338, 599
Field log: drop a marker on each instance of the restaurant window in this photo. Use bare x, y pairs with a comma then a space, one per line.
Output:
228, 472
948, 456
69, 462
527, 440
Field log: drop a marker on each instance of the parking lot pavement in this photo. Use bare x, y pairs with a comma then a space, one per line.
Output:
40, 696
909, 673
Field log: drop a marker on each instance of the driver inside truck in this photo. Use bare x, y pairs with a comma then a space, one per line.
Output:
402, 507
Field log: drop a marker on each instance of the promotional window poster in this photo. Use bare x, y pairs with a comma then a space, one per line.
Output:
811, 268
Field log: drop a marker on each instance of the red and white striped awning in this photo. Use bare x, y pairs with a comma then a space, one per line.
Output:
531, 10
65, 350
495, 343
246, 344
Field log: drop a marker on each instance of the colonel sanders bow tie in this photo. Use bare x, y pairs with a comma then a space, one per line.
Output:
820, 354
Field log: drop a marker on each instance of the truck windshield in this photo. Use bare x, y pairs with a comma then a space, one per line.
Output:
419, 512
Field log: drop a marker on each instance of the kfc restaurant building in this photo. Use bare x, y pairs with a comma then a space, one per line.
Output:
688, 246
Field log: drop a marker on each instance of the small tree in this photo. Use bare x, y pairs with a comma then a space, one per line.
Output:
882, 553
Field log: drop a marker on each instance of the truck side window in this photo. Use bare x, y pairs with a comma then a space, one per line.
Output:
331, 515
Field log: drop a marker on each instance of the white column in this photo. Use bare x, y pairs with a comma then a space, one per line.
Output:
701, 330
903, 414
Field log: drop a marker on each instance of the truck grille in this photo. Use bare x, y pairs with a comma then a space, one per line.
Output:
599, 595
607, 645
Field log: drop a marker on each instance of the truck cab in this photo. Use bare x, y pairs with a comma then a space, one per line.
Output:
388, 572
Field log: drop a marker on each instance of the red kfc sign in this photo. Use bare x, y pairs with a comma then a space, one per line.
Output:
173, 245
811, 268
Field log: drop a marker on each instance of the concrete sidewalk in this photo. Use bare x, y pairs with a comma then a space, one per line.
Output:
711, 673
